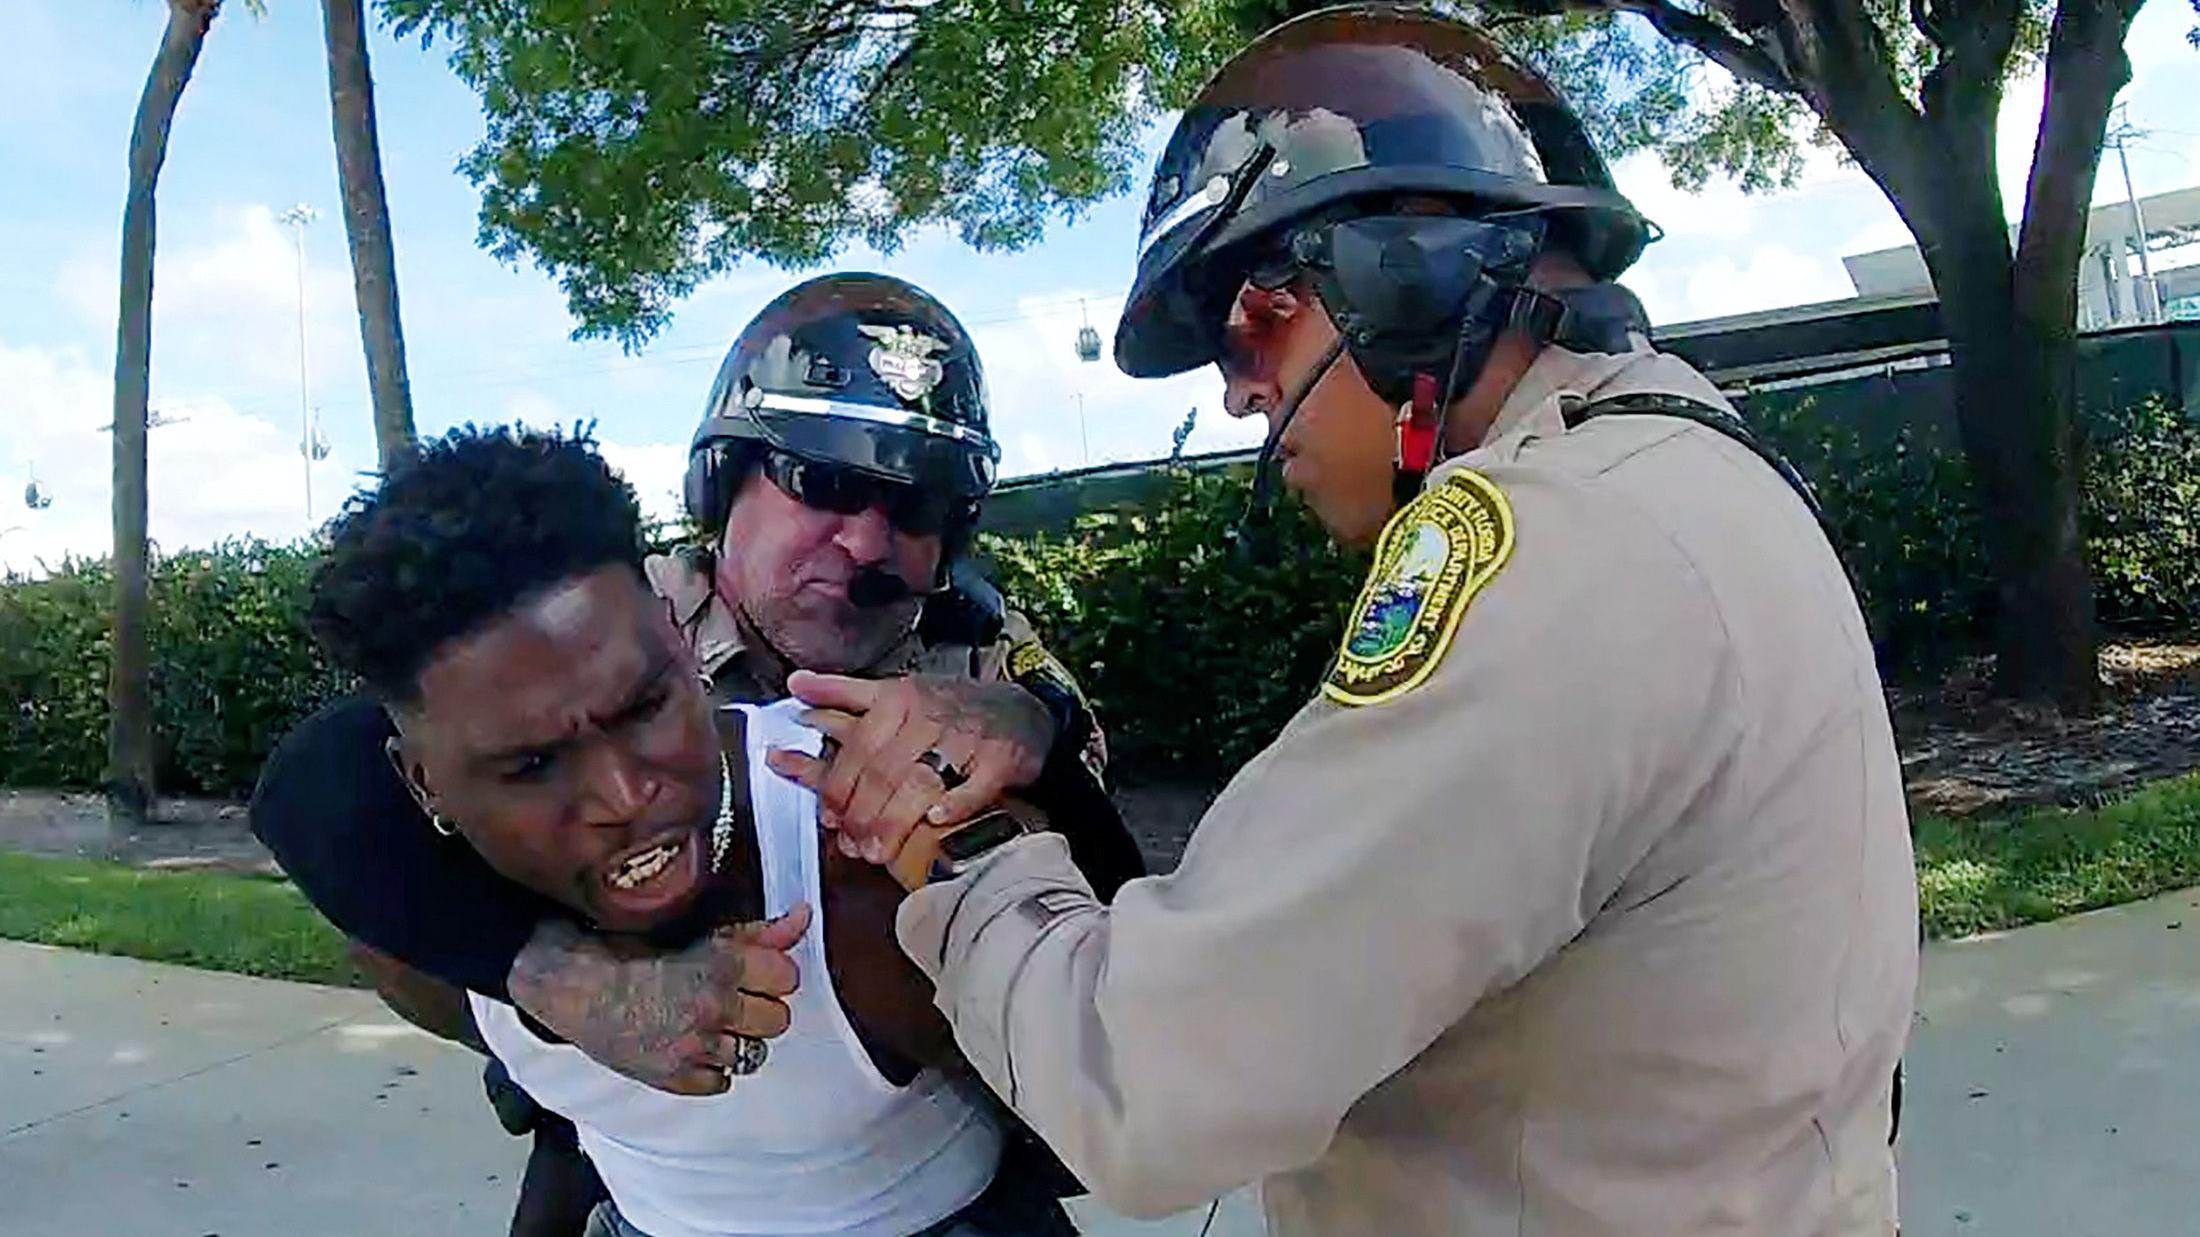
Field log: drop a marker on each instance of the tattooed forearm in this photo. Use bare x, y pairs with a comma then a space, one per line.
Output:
643, 1015
664, 1019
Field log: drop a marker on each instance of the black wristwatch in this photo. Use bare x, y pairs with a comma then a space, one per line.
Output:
962, 849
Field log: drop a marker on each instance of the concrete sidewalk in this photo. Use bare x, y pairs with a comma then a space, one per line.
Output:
2054, 1082
137, 1098
146, 1099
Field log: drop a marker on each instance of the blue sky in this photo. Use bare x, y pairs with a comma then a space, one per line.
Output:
489, 343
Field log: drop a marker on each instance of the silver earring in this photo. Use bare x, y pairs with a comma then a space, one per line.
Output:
436, 820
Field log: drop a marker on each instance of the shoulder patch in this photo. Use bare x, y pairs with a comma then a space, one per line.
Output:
1434, 556
1028, 657
1030, 664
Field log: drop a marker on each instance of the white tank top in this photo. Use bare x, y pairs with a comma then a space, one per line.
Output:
817, 1141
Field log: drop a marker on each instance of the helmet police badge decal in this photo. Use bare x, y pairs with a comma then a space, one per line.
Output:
905, 358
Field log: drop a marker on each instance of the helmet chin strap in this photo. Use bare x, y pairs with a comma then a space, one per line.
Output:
1596, 319
1255, 532
1592, 320
1423, 419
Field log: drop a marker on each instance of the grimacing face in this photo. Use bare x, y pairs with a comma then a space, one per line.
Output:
788, 567
572, 744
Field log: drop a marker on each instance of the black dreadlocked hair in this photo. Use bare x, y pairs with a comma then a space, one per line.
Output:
456, 536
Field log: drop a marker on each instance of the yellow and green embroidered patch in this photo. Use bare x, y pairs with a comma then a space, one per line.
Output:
1434, 556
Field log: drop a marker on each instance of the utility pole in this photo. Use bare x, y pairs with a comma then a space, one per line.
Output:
2150, 307
298, 217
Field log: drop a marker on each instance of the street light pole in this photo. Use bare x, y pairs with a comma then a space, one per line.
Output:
2151, 309
298, 217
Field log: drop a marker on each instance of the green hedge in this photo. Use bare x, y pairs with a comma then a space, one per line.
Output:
1193, 655
1908, 525
1195, 660
233, 668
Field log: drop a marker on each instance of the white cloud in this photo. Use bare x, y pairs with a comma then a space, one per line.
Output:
655, 469
2157, 39
1718, 210
225, 310
1887, 233
536, 409
1763, 277
1028, 454
1727, 252
1721, 209
213, 472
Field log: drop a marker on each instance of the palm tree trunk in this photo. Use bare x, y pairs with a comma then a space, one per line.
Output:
129, 683
367, 224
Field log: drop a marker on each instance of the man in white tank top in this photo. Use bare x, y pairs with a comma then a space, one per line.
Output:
821, 1140
548, 713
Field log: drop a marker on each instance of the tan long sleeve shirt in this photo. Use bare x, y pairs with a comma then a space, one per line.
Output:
1581, 903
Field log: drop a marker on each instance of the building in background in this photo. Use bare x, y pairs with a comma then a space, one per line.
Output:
2114, 287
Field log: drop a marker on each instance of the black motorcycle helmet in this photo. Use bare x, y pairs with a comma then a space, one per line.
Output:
1338, 112
862, 371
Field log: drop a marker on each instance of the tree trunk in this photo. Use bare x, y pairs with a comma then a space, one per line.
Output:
367, 224
2015, 383
129, 682
2010, 316
2086, 67
2012, 330
2015, 396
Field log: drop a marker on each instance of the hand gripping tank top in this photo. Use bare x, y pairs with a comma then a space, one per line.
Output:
817, 1141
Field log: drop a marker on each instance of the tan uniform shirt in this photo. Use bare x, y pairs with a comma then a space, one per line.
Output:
1605, 925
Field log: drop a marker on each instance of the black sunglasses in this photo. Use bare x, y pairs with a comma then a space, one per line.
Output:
846, 491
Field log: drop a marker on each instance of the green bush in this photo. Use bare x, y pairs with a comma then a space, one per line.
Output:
1193, 656
2142, 517
1902, 511
1908, 524
1195, 660
54, 645
233, 667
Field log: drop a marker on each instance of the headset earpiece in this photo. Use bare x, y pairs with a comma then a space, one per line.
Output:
700, 488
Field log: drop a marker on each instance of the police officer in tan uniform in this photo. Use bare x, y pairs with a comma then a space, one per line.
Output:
860, 396
1579, 901
838, 473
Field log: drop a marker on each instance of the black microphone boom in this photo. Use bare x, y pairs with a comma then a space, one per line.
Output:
1254, 536
874, 587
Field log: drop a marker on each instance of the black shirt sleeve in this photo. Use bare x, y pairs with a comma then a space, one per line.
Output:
345, 829
1078, 806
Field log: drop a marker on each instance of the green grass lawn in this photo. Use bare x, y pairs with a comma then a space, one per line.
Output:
1973, 876
223, 922
1979, 875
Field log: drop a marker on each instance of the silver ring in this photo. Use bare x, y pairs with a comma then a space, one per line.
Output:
749, 1054
950, 776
